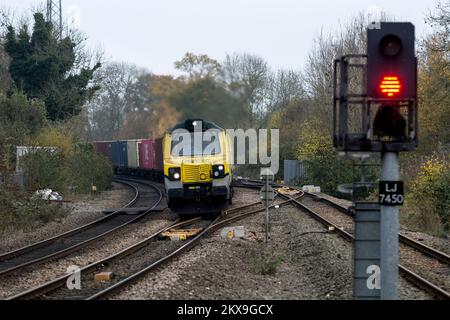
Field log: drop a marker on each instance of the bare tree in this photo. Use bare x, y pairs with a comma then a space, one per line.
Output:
285, 88
112, 102
248, 76
318, 72
440, 22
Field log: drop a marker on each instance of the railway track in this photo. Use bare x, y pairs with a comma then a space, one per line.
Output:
411, 276
424, 249
71, 241
137, 260
418, 280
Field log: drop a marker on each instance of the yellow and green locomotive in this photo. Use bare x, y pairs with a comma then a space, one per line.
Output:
197, 162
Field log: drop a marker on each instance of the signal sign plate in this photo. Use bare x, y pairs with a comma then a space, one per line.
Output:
391, 193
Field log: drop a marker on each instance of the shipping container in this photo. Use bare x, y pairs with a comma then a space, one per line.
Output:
146, 154
104, 148
119, 155
133, 153
114, 153
159, 155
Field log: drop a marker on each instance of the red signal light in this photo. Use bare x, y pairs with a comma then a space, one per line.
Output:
390, 86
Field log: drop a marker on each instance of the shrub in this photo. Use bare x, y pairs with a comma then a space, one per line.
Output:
55, 137
315, 149
87, 168
25, 212
268, 265
74, 167
19, 117
44, 169
429, 199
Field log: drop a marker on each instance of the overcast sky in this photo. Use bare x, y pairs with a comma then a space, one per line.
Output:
154, 34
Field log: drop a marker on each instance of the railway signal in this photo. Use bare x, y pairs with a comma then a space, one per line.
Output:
391, 62
383, 84
387, 100
391, 76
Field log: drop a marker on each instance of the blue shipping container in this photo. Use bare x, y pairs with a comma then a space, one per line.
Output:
114, 153
118, 154
123, 154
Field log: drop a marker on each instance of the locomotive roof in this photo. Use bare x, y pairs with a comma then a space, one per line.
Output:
191, 123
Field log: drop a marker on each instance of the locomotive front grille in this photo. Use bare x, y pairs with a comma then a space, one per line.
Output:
193, 173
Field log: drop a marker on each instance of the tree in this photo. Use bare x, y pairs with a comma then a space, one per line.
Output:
434, 83
42, 67
248, 77
430, 195
440, 22
434, 94
287, 119
314, 143
124, 94
19, 119
139, 95
207, 99
198, 66
5, 78
286, 87
111, 103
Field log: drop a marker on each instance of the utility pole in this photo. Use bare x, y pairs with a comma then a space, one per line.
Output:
55, 16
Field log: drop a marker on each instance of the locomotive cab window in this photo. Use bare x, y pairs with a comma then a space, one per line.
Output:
195, 144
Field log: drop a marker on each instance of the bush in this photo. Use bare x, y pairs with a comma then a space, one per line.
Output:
429, 199
74, 167
86, 168
268, 265
26, 212
19, 118
315, 149
55, 137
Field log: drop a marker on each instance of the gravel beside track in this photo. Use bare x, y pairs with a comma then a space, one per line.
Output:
441, 244
429, 268
302, 261
313, 264
111, 244
85, 210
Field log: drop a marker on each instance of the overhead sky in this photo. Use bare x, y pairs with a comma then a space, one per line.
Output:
153, 34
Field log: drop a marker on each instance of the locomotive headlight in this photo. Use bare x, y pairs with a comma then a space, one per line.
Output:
174, 174
219, 171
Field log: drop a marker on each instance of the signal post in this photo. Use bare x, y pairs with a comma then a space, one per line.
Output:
387, 99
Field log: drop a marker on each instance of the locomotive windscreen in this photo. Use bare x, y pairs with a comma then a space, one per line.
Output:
195, 144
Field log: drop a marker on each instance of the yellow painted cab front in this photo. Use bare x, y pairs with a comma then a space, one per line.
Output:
197, 162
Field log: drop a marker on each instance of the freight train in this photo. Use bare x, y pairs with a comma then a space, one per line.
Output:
191, 169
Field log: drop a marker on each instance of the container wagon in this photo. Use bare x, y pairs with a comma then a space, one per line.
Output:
104, 148
119, 156
133, 154
138, 157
